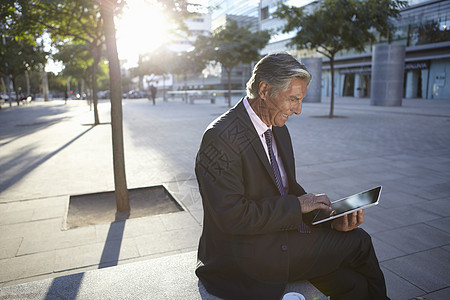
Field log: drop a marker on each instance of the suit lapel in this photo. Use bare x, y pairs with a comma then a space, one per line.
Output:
253, 138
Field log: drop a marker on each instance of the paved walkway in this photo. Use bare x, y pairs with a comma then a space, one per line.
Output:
50, 151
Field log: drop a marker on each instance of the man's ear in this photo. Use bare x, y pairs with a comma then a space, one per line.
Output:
263, 90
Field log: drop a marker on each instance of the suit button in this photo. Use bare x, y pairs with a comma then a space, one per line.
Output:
284, 247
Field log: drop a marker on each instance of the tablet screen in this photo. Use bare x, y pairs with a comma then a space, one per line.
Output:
348, 205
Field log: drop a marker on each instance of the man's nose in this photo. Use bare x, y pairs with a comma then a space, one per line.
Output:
297, 108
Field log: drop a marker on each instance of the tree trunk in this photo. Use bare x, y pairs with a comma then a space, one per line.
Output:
332, 87
3, 86
13, 79
27, 78
185, 88
69, 78
96, 54
44, 84
164, 88
121, 191
83, 88
229, 87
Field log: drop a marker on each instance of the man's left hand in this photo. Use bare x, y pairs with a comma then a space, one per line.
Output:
349, 222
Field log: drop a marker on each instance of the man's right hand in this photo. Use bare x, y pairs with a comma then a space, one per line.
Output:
310, 202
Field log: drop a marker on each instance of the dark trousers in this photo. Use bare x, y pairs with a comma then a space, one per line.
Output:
342, 265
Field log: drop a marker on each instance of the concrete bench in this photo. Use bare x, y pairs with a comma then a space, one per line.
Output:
201, 96
170, 277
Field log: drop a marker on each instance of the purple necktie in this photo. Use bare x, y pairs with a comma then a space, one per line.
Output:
273, 162
276, 171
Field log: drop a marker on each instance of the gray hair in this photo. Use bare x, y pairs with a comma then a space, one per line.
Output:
277, 70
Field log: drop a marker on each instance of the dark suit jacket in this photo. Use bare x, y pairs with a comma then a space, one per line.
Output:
243, 248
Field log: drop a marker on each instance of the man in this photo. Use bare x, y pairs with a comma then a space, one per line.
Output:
153, 91
257, 233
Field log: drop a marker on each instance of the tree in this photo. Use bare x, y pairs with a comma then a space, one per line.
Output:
432, 33
20, 56
77, 62
233, 45
121, 191
69, 22
336, 25
108, 8
148, 64
186, 64
82, 21
20, 52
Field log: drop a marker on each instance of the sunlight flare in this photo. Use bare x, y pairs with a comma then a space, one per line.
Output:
143, 27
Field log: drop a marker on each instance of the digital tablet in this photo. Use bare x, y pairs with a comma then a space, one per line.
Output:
348, 205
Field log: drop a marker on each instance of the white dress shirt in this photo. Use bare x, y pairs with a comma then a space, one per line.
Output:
260, 129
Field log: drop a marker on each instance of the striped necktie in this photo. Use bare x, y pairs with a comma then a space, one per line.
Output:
273, 162
276, 171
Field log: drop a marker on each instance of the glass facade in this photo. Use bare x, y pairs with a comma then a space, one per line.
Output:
424, 23
423, 27
244, 13
245, 9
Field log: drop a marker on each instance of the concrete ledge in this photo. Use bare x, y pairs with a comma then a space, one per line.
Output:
170, 277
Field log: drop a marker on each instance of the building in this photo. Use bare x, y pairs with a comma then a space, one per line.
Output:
198, 25
244, 13
423, 27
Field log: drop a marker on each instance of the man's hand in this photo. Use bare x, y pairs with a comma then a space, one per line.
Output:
349, 222
310, 202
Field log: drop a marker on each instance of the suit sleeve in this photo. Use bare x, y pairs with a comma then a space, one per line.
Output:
220, 174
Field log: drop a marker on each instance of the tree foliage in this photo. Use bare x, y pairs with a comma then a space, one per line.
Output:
18, 56
194, 60
432, 33
150, 63
77, 61
65, 21
73, 22
20, 51
232, 45
336, 25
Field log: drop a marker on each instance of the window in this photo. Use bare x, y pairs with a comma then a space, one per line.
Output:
264, 13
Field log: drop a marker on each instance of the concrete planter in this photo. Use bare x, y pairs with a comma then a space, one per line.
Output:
388, 64
314, 65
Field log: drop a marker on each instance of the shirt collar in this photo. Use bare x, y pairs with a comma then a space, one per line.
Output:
257, 122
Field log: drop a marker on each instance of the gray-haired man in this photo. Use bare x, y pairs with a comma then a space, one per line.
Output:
257, 232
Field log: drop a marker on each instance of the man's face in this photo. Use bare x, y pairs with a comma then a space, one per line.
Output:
283, 105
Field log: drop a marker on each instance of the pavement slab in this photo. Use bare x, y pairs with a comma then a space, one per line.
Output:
417, 269
400, 288
415, 238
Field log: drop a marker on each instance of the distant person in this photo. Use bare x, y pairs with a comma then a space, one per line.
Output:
257, 234
153, 91
66, 96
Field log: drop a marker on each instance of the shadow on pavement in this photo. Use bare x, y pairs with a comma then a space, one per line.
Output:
8, 182
19, 122
111, 251
65, 287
